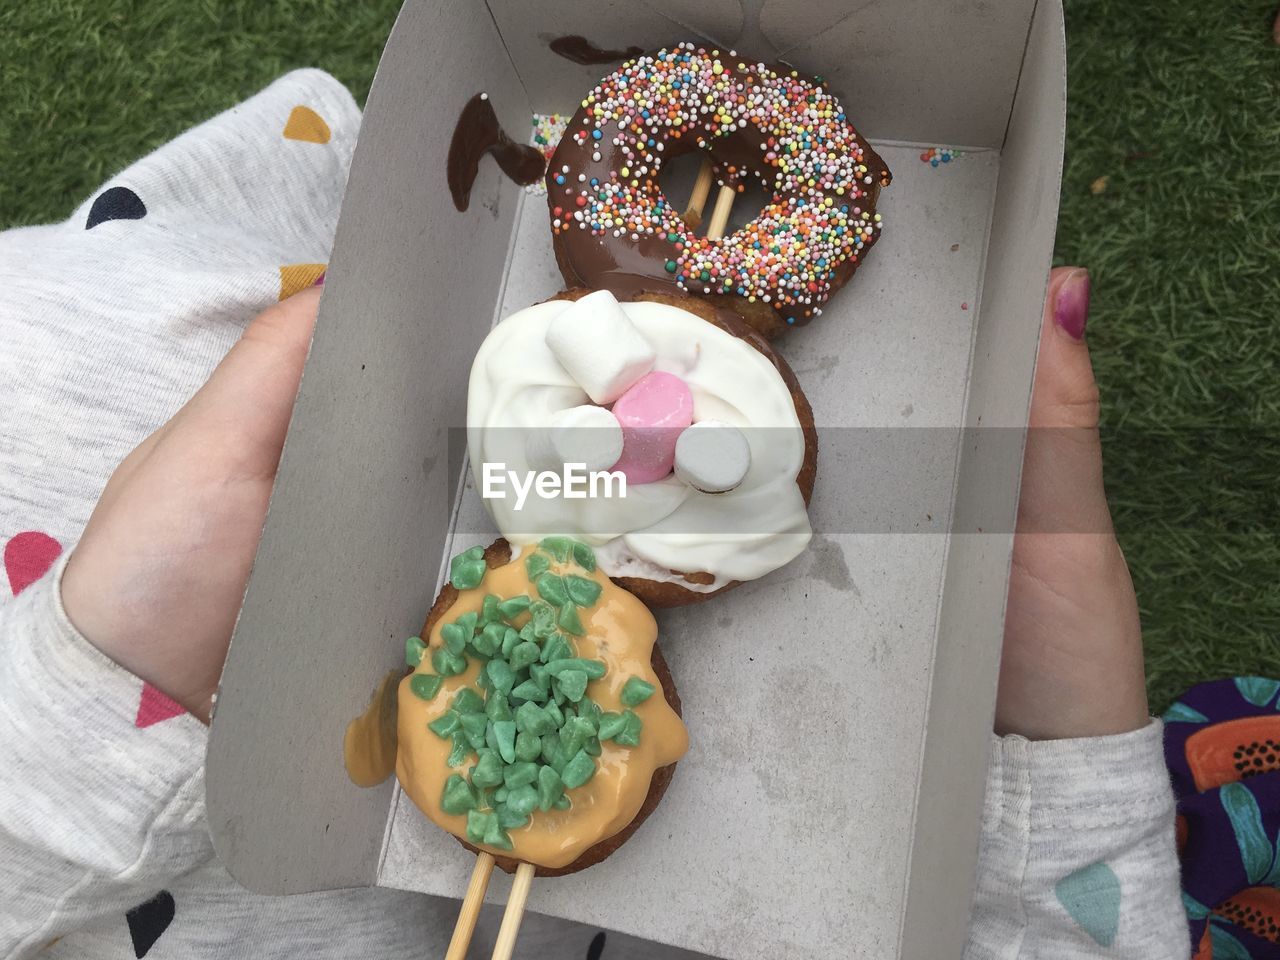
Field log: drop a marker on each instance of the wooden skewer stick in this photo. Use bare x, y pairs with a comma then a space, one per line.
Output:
471, 905
720, 215
698, 196
506, 942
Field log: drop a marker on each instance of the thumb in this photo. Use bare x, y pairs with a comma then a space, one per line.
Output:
245, 406
1062, 468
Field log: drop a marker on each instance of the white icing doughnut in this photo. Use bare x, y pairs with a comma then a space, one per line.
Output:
518, 385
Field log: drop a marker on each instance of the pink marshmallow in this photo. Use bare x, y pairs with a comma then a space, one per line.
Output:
653, 412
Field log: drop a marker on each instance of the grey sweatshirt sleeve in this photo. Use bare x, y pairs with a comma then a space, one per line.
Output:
96, 812
1078, 856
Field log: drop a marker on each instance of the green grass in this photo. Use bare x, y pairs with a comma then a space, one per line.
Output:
1174, 102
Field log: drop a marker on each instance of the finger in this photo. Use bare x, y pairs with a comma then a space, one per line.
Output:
248, 400
1062, 468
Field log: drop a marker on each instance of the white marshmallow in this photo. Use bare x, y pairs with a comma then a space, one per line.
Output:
599, 346
712, 456
588, 435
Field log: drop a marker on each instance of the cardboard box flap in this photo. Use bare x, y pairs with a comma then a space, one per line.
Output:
556, 83
912, 70
975, 586
907, 70
362, 502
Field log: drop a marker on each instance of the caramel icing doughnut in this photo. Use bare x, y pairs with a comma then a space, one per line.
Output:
614, 229
457, 767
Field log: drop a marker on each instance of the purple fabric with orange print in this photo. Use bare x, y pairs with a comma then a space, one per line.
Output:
1222, 745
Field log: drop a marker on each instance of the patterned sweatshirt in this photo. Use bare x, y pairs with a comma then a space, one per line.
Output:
109, 321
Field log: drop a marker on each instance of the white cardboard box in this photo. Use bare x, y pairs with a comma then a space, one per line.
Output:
788, 831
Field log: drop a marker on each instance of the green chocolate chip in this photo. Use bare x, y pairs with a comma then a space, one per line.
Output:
519, 773
501, 676
593, 747
512, 607
500, 795
552, 710
630, 735
564, 803
551, 588
489, 609
550, 787
467, 700
455, 641
496, 707
445, 724
544, 619
570, 621
582, 591
611, 724
508, 819
531, 718
425, 686
459, 796
594, 669
556, 648
523, 655
505, 731
553, 753
488, 770
413, 648
590, 709
574, 735
478, 823
510, 640
538, 674
486, 642
535, 565
528, 746
461, 750
578, 770
495, 836
572, 683
447, 664
558, 547
466, 570
584, 556
530, 690
522, 800
636, 691
474, 726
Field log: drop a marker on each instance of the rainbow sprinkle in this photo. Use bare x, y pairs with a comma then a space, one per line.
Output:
936, 155
815, 166
548, 128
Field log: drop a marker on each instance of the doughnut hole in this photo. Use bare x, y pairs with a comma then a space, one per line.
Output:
677, 177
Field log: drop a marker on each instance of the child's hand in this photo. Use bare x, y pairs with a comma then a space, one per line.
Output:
1072, 642
159, 574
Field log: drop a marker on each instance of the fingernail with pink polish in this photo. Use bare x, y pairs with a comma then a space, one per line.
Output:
1071, 308
319, 281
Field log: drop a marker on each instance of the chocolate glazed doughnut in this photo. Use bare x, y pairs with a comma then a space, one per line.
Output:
613, 228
